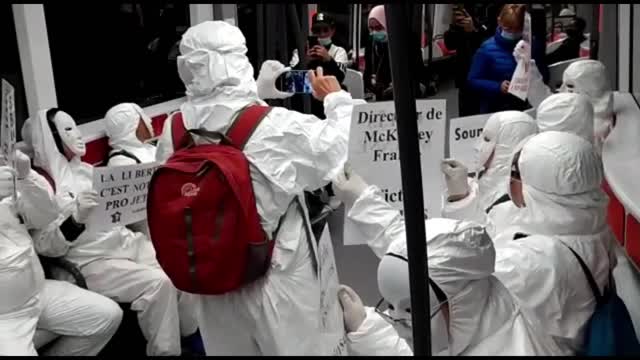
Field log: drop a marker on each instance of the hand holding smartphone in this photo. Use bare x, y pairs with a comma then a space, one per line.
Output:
295, 81
313, 41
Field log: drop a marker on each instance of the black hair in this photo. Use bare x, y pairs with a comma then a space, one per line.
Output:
51, 114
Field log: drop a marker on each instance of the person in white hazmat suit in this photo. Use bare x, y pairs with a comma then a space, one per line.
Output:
501, 134
113, 262
472, 313
81, 321
587, 77
556, 184
129, 130
289, 152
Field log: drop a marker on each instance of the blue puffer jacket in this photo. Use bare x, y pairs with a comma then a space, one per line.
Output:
492, 64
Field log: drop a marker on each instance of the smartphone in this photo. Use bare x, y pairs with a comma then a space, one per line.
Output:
295, 81
313, 41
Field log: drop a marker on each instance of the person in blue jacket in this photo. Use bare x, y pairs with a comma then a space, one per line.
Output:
493, 64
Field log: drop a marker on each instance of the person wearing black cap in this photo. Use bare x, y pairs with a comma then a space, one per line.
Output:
332, 58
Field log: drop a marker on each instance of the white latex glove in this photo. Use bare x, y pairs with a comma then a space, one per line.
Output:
86, 201
455, 175
521, 51
352, 308
348, 185
266, 81
23, 165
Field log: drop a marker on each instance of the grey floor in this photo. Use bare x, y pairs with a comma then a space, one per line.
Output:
357, 265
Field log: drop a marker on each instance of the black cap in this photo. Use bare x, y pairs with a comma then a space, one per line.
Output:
322, 18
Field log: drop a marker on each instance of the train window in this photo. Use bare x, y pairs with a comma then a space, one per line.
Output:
130, 57
10, 68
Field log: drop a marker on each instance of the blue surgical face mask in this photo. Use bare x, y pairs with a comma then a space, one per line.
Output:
511, 35
379, 36
324, 41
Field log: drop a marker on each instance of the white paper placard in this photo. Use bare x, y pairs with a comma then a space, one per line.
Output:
122, 192
373, 154
464, 133
519, 85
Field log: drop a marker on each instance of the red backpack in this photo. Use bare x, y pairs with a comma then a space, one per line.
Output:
202, 213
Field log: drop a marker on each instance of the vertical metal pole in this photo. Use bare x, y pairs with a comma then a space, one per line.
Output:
398, 25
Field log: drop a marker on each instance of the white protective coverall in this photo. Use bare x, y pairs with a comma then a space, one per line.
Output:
500, 136
85, 321
572, 113
117, 263
561, 177
121, 123
289, 152
483, 317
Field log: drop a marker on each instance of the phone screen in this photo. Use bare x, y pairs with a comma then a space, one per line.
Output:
313, 41
296, 81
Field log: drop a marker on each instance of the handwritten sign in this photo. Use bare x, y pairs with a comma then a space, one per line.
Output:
122, 192
8, 129
519, 85
373, 153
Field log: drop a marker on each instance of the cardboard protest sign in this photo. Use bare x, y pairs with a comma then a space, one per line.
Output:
519, 85
462, 135
373, 154
8, 129
122, 192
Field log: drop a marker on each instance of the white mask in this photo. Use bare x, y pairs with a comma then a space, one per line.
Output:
69, 133
486, 143
393, 283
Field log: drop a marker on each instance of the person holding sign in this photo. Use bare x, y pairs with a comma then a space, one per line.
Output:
500, 136
493, 64
83, 320
472, 312
129, 131
555, 183
109, 261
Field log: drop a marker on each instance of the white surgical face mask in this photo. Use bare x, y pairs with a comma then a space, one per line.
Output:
324, 41
486, 143
483, 151
69, 133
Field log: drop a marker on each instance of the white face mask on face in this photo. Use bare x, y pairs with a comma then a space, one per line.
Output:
393, 283
486, 143
69, 133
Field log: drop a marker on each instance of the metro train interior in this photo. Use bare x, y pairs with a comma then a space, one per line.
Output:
87, 57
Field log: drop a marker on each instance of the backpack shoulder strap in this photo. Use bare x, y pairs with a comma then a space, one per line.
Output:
587, 273
124, 153
178, 132
502, 199
245, 124
46, 175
